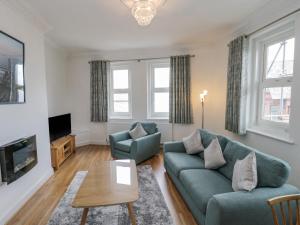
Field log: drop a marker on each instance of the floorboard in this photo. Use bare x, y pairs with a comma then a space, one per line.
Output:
38, 209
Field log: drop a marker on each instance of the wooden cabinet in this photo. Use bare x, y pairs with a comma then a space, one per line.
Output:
61, 149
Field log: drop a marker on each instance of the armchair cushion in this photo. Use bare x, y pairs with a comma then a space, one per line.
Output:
181, 161
203, 184
149, 127
124, 145
137, 132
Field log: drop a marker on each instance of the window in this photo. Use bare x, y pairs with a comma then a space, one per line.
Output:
272, 69
20, 82
277, 80
120, 92
158, 89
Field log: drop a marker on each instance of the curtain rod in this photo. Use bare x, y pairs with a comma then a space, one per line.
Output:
275, 21
142, 59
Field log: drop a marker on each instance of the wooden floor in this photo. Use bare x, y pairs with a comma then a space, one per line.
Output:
39, 208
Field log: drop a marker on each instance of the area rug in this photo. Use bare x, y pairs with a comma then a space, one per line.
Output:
150, 209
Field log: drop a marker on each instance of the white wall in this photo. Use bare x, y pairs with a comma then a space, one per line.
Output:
17, 121
205, 67
56, 76
209, 71
288, 152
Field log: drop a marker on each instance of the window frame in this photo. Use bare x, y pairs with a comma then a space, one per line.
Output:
151, 65
272, 82
112, 91
257, 81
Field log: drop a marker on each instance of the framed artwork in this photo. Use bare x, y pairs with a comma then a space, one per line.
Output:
12, 82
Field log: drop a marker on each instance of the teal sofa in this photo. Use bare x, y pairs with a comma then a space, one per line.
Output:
209, 194
123, 147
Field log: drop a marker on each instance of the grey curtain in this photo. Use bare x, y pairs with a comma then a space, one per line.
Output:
180, 90
98, 86
236, 74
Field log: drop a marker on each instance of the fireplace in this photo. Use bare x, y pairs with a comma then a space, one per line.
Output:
17, 158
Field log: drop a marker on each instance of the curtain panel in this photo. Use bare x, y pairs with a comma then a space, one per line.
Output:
180, 90
235, 120
98, 91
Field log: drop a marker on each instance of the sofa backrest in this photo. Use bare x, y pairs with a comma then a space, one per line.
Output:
150, 127
207, 137
271, 171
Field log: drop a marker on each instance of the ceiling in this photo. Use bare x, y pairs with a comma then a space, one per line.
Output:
91, 25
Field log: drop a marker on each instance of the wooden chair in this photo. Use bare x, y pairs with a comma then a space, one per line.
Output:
288, 199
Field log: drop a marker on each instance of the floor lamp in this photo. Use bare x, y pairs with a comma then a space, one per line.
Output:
202, 98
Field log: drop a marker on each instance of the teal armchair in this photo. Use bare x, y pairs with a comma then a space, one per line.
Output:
123, 147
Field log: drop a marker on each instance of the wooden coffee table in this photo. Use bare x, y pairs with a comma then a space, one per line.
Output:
108, 183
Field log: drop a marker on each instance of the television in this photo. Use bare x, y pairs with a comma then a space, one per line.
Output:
59, 126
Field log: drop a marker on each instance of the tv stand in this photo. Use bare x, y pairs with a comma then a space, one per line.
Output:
61, 149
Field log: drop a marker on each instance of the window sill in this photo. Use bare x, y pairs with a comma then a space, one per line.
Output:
158, 118
276, 134
119, 118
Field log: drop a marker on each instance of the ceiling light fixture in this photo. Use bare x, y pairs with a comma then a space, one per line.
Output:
143, 10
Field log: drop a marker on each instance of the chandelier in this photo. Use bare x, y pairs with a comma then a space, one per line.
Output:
143, 10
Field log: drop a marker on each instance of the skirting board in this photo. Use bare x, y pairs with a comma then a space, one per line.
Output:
83, 143
20, 202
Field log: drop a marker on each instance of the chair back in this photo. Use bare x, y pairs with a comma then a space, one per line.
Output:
289, 202
150, 127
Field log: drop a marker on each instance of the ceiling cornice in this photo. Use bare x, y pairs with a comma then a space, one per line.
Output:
29, 14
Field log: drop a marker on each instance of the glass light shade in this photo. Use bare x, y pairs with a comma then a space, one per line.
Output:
143, 10
157, 3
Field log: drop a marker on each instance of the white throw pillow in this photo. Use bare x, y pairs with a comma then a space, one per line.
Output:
193, 143
213, 155
245, 174
137, 132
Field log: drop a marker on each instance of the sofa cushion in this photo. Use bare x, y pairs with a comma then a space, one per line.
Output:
149, 127
213, 155
124, 145
178, 161
193, 143
137, 132
203, 184
207, 137
271, 171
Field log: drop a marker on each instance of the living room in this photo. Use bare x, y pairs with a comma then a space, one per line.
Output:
90, 71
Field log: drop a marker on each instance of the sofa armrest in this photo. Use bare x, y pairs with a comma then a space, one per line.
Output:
176, 146
146, 146
244, 208
120, 136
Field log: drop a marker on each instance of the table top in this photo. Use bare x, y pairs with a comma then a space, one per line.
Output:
108, 183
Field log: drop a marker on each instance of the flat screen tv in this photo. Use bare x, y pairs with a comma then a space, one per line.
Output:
59, 126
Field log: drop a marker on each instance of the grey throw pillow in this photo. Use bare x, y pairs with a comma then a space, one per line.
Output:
213, 155
245, 174
137, 132
193, 143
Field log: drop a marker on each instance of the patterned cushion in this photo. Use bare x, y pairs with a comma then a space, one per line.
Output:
149, 127
137, 132
207, 137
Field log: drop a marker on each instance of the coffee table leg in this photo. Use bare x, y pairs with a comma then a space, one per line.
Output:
131, 213
84, 216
